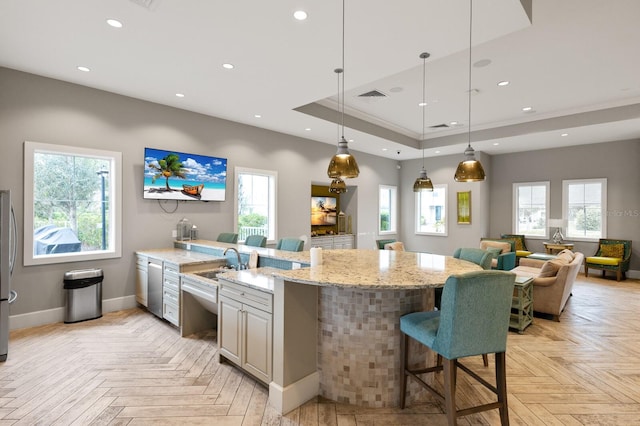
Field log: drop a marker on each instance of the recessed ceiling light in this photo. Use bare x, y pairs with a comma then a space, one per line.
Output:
83, 69
422, 104
384, 149
496, 143
308, 129
437, 152
564, 134
114, 23
351, 140
300, 15
503, 83
453, 123
228, 66
180, 95
527, 109
257, 115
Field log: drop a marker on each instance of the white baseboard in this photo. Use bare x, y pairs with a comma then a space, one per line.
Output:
49, 316
292, 396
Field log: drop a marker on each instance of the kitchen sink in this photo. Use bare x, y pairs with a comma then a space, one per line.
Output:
213, 273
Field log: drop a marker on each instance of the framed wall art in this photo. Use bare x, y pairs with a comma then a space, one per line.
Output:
464, 208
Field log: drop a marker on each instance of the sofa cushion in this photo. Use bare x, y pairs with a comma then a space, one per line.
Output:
600, 260
550, 268
612, 250
504, 247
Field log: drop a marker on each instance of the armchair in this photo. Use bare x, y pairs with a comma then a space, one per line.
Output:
612, 255
503, 251
520, 248
381, 243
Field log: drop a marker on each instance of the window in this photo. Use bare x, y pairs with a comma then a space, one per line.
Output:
387, 207
431, 211
73, 205
584, 206
256, 203
531, 209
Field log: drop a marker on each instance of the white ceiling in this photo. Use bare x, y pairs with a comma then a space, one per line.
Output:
576, 64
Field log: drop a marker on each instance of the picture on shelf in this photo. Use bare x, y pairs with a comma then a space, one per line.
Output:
323, 211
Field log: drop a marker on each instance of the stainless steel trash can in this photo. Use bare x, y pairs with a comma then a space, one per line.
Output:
83, 288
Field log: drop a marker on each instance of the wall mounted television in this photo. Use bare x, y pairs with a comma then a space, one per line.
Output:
323, 211
173, 175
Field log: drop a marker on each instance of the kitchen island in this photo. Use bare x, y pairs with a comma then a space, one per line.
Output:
336, 325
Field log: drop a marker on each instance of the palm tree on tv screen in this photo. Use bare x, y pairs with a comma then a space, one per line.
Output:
167, 167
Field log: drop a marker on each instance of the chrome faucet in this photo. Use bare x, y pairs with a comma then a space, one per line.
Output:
240, 265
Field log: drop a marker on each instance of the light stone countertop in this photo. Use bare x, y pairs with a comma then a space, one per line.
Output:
259, 278
180, 256
379, 269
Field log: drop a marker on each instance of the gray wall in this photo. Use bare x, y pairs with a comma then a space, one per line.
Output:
616, 161
50, 111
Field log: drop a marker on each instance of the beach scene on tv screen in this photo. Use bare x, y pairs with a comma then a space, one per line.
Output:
173, 175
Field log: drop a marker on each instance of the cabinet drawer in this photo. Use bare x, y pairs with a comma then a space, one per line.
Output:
243, 294
141, 261
171, 267
171, 313
170, 296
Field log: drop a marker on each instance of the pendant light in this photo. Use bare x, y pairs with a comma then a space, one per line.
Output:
343, 164
423, 183
338, 186
469, 169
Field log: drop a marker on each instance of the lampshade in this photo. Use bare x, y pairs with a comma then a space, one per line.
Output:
342, 165
338, 186
423, 183
469, 169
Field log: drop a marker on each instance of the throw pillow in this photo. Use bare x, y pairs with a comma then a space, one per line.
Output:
495, 252
566, 255
503, 246
550, 268
612, 250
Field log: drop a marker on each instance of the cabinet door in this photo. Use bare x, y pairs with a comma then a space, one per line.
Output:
258, 343
142, 281
230, 329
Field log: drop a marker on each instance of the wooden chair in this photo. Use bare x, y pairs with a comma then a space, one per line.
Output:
612, 255
474, 320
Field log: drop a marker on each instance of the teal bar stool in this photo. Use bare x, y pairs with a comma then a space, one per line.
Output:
227, 237
290, 244
256, 241
473, 320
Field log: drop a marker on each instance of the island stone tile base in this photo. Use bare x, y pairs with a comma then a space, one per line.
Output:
359, 345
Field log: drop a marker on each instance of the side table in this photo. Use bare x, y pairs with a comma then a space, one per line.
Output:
556, 247
522, 304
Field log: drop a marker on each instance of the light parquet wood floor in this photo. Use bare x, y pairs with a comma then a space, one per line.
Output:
130, 368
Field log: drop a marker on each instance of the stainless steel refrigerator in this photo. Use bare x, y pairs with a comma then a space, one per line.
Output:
8, 250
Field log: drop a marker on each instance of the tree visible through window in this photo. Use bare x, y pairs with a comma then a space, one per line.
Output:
431, 211
72, 194
256, 203
531, 208
387, 205
584, 204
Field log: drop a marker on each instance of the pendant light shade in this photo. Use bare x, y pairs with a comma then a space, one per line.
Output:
423, 183
343, 165
469, 169
338, 186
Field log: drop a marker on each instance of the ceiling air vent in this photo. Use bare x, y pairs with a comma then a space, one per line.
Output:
439, 126
372, 94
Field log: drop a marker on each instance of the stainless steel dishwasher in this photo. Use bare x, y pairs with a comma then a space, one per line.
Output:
154, 271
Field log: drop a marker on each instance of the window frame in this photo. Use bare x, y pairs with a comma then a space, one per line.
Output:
115, 204
273, 202
516, 208
603, 207
393, 209
417, 202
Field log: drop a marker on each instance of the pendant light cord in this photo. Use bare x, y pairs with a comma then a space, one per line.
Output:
424, 101
469, 92
342, 109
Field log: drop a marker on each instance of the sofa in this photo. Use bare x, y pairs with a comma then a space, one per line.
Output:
552, 280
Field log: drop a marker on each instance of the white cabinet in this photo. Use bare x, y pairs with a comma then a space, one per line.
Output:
245, 328
328, 242
171, 293
142, 280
